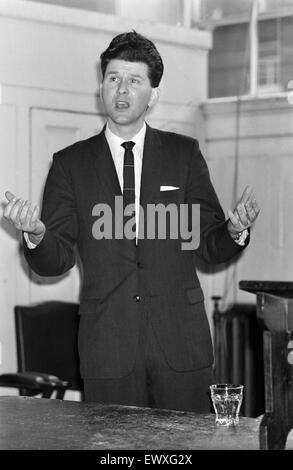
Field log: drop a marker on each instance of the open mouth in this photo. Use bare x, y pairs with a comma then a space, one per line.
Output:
121, 105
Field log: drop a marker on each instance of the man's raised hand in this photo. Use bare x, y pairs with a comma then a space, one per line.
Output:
23, 216
244, 214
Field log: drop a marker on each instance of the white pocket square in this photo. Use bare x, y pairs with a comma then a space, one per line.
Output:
168, 188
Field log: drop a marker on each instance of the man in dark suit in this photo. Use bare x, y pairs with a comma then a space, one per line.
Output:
144, 337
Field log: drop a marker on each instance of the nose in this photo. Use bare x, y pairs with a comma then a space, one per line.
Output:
123, 87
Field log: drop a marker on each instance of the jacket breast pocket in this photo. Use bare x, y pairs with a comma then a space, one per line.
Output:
167, 197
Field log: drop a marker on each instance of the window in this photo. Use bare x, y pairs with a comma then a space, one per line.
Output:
229, 60
102, 6
163, 11
269, 66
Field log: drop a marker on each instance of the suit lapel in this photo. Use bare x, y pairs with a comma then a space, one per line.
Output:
105, 169
150, 178
151, 167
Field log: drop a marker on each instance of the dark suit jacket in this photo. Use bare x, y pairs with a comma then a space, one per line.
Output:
115, 272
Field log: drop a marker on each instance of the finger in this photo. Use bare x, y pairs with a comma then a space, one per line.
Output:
241, 211
15, 213
250, 211
35, 215
18, 216
247, 193
251, 197
28, 215
234, 219
23, 215
255, 206
9, 196
8, 208
14, 210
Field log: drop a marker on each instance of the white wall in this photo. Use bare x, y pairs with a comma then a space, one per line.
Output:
265, 156
48, 64
163, 11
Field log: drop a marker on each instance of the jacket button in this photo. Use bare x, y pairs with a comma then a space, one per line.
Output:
136, 298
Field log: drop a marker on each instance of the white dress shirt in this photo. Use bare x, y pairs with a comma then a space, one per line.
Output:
117, 152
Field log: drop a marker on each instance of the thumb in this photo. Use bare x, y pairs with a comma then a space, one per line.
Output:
9, 195
231, 216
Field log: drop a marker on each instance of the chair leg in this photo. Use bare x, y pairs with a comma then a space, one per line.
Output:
60, 393
48, 393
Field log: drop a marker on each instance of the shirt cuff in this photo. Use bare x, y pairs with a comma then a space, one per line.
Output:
240, 240
30, 245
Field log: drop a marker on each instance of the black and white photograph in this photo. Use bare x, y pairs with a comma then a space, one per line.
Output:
146, 248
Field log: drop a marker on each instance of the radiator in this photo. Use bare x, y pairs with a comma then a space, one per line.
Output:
238, 348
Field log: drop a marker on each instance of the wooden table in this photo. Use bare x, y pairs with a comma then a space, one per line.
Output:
39, 423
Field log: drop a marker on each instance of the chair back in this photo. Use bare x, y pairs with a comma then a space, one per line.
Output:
46, 338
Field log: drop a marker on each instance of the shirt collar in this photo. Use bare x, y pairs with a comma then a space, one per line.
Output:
115, 141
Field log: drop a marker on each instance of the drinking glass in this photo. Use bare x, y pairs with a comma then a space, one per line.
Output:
227, 400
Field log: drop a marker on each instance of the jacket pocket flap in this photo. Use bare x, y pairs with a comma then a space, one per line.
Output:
194, 294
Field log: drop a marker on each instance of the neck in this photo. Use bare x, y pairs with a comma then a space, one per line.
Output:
125, 132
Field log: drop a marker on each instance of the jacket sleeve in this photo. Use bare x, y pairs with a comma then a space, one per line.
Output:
55, 254
216, 245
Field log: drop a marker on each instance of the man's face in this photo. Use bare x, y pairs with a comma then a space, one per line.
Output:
126, 92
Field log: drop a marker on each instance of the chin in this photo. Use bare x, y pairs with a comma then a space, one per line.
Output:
122, 120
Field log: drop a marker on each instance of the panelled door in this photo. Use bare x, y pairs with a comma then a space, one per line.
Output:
51, 131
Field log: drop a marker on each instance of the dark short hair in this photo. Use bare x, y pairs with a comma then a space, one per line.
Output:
134, 47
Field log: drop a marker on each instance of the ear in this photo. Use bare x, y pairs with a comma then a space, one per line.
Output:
101, 94
154, 96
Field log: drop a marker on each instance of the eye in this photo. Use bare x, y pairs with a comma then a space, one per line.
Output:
114, 79
134, 81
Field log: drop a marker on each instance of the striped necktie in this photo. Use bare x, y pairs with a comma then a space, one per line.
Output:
128, 176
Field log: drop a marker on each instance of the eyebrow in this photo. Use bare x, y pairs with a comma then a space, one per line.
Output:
135, 75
